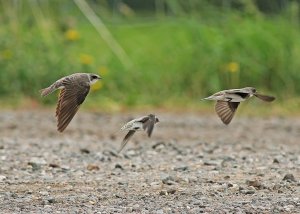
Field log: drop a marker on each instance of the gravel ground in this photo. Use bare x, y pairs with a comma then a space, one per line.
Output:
192, 164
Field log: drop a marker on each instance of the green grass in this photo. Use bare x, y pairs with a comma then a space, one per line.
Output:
176, 61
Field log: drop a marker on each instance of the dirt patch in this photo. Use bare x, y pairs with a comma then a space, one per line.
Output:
192, 164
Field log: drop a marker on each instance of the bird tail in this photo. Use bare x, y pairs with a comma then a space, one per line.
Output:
265, 97
46, 91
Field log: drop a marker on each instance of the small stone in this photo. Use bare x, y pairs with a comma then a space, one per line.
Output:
122, 183
92, 202
255, 183
275, 160
113, 137
85, 151
155, 185
2, 177
44, 193
181, 168
136, 207
51, 200
159, 211
53, 165
158, 145
119, 166
171, 191
288, 208
169, 180
92, 167
37, 160
233, 187
249, 191
289, 178
163, 192
1, 147
65, 167
34, 166
211, 163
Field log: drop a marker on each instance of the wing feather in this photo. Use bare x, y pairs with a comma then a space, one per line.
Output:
226, 110
126, 139
69, 101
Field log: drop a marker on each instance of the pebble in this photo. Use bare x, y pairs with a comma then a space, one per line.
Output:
289, 207
51, 200
289, 178
92, 167
155, 185
37, 160
181, 168
119, 166
159, 211
233, 187
255, 183
44, 193
53, 165
249, 191
85, 151
169, 180
2, 177
158, 145
34, 166
171, 191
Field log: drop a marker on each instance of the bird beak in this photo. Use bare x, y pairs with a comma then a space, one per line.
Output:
99, 78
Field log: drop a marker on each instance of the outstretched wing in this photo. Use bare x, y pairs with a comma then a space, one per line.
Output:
70, 98
126, 139
226, 110
149, 125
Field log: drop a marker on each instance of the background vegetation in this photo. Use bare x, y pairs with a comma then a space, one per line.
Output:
161, 53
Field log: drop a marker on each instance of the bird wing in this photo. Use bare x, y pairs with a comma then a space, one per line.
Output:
226, 110
143, 119
149, 125
264, 97
70, 98
126, 139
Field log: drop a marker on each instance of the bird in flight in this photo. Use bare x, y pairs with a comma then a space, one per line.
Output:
74, 89
145, 123
229, 100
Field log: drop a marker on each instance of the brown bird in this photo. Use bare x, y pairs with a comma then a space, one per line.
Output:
144, 123
74, 89
229, 100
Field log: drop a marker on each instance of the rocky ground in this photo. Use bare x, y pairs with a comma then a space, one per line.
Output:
192, 164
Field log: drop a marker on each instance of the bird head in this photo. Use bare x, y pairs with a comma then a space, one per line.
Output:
251, 90
94, 78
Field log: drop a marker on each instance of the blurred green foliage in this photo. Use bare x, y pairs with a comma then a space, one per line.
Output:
179, 52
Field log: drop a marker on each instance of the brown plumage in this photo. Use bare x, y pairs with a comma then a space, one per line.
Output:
145, 123
229, 100
74, 89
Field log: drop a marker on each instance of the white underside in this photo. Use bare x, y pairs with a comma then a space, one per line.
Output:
133, 125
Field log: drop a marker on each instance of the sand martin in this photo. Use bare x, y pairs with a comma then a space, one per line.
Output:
74, 89
229, 100
145, 123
